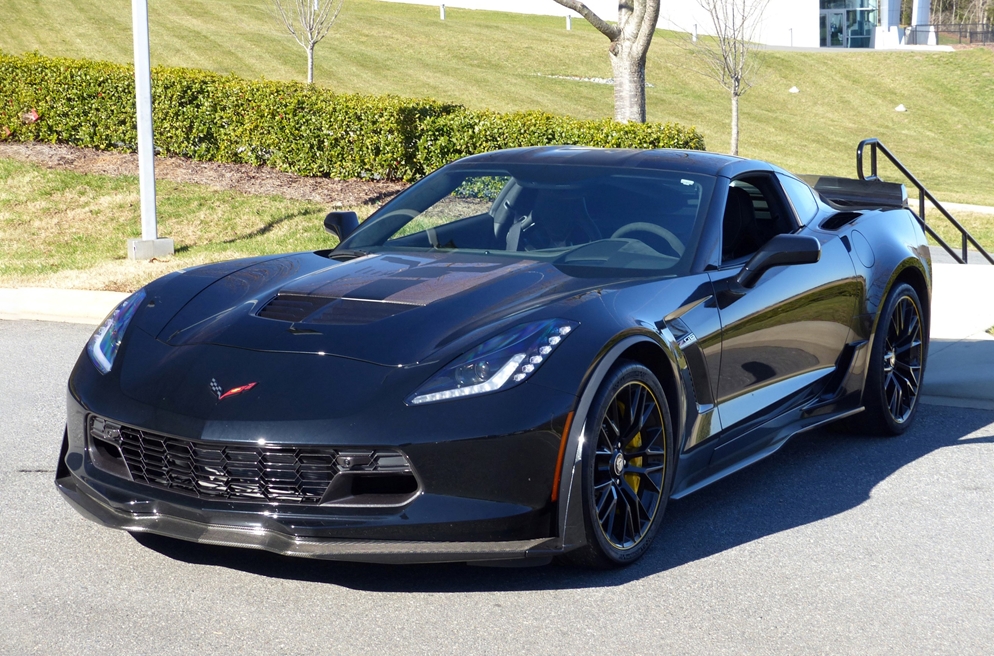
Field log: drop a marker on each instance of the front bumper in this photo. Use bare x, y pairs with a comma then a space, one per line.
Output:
484, 495
270, 535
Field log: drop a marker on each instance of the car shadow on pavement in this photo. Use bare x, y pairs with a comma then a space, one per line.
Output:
815, 476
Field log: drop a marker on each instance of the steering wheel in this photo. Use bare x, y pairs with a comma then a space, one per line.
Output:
654, 229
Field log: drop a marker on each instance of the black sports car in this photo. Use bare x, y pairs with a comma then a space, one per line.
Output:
524, 355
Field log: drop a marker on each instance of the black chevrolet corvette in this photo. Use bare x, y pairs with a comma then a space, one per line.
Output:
524, 355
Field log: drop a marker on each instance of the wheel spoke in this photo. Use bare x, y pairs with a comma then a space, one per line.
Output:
895, 403
629, 523
632, 497
910, 382
611, 514
913, 344
648, 476
608, 494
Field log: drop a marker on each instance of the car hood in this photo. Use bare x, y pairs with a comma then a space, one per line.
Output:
389, 309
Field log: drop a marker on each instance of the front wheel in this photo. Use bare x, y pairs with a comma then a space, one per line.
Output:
897, 362
628, 465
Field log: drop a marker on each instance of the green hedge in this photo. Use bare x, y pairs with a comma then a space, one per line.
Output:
287, 125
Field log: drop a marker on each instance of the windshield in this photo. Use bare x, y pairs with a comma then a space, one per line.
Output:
622, 219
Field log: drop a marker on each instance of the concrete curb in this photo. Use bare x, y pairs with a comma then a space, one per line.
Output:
65, 305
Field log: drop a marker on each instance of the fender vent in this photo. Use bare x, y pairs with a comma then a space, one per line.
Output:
840, 219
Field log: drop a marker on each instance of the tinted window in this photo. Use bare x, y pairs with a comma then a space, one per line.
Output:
577, 216
801, 197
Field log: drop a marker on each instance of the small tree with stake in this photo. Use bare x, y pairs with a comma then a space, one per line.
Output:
726, 56
307, 21
630, 40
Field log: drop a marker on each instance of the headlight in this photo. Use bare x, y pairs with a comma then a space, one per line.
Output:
104, 343
499, 363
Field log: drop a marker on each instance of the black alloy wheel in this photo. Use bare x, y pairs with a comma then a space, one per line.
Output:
897, 363
627, 467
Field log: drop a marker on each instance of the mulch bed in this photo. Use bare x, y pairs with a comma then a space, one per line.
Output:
248, 179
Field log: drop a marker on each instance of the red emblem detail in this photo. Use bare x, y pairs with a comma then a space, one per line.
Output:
235, 390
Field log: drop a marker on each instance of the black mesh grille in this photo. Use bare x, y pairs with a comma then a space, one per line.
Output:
265, 473
292, 308
261, 473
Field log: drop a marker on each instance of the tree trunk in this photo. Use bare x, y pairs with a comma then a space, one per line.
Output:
735, 125
310, 64
629, 85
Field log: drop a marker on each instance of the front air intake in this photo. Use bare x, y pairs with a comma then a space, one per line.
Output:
262, 473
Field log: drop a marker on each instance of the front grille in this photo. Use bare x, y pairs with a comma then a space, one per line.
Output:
266, 473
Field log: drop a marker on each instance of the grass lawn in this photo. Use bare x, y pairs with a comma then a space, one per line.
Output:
63, 229
492, 60
981, 226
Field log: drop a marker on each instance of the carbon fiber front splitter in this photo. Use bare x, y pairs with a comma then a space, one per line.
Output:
93, 506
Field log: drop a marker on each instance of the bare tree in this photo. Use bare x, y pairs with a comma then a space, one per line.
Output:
630, 40
307, 21
726, 56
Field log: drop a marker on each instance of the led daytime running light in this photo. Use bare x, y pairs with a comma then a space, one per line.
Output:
495, 383
512, 356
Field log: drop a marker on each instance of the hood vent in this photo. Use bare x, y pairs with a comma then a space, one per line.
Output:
330, 311
349, 312
292, 308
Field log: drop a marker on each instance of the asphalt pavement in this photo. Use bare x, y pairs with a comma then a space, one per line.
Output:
839, 544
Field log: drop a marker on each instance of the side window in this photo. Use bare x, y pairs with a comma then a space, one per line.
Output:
801, 197
755, 212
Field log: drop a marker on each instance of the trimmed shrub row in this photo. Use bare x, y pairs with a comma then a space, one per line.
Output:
290, 126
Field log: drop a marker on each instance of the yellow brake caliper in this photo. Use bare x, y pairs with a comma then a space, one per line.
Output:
635, 479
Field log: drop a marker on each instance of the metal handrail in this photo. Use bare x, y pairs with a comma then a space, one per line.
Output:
971, 33
923, 194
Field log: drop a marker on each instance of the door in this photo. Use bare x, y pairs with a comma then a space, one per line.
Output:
782, 337
837, 29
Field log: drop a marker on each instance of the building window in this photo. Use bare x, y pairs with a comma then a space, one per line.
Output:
848, 23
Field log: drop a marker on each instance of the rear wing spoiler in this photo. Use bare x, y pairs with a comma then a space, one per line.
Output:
859, 194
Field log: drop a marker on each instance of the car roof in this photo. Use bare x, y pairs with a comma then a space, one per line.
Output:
691, 161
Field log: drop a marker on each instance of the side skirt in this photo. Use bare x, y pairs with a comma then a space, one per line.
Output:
759, 455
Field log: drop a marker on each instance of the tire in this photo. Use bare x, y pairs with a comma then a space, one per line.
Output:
897, 363
625, 485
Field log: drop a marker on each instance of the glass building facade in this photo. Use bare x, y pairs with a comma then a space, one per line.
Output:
848, 23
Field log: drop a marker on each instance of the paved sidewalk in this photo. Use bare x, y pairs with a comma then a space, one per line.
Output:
66, 305
960, 371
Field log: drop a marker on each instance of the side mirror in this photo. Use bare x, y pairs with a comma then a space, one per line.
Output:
341, 224
779, 251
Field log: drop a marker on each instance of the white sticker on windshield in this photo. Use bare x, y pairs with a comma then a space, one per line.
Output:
687, 183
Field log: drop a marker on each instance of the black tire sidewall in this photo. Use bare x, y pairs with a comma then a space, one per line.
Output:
878, 414
623, 373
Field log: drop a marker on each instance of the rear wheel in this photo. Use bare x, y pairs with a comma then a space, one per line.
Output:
627, 470
897, 362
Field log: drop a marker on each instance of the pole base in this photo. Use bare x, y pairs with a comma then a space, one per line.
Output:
146, 249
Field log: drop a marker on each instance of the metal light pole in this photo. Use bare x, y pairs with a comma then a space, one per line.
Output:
150, 245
